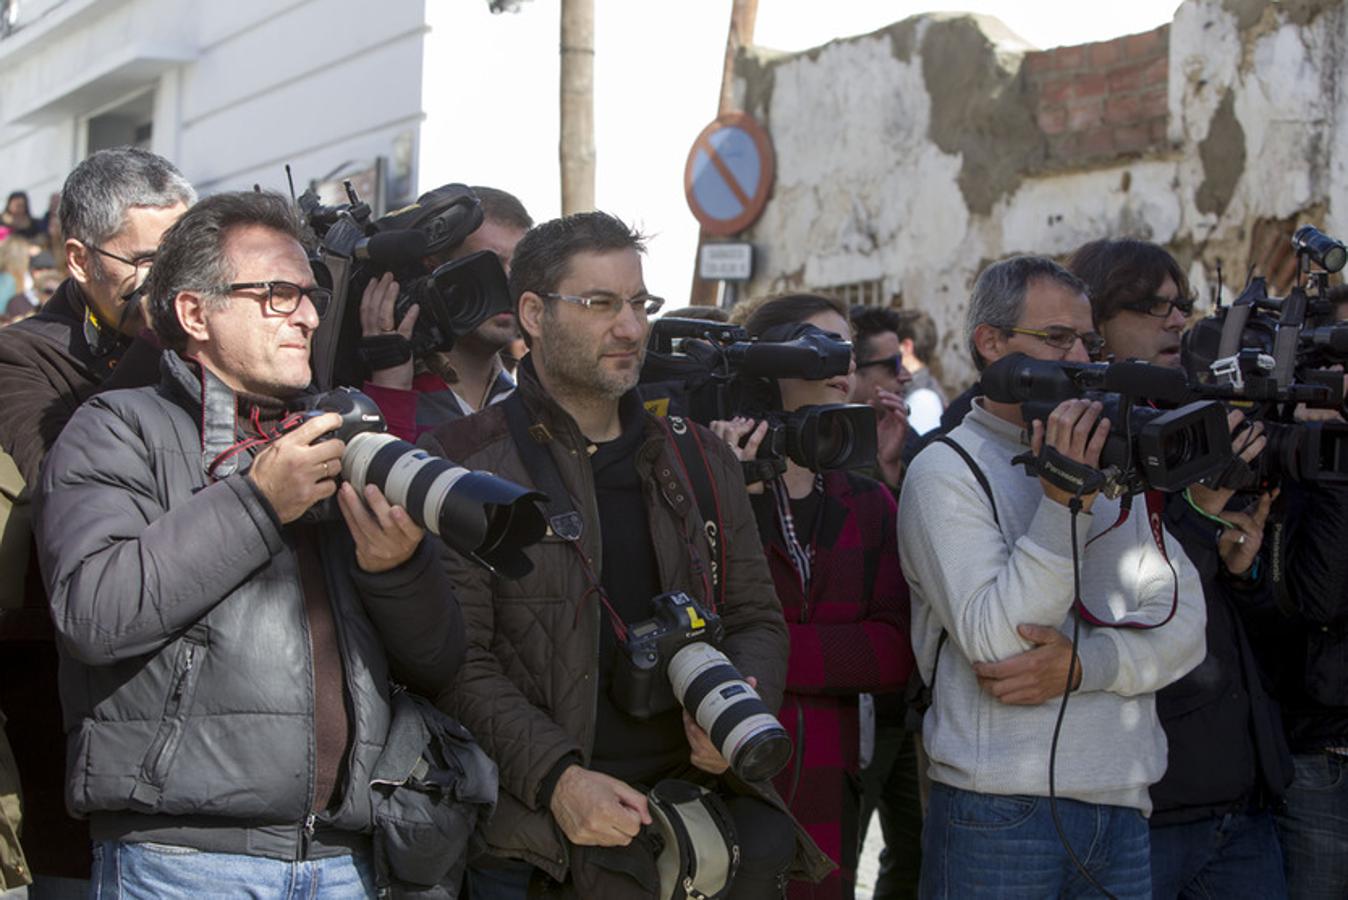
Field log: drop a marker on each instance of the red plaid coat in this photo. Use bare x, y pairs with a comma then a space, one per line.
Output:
848, 637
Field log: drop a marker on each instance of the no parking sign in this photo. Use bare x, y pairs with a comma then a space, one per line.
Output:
728, 175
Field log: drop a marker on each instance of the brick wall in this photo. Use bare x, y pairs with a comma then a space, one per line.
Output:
1098, 102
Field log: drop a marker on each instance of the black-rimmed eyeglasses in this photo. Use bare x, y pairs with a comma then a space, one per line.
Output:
283, 297
141, 264
1160, 307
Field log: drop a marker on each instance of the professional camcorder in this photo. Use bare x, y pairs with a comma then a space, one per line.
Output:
1269, 354
485, 518
671, 659
455, 297
712, 370
1147, 448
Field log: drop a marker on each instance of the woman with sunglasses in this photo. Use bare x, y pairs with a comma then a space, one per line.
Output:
832, 547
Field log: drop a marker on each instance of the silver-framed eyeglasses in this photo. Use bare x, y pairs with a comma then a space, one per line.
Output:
283, 297
608, 305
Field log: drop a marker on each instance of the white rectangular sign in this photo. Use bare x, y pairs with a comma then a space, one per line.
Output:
726, 262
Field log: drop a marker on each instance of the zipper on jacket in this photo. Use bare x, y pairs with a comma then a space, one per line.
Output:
306, 836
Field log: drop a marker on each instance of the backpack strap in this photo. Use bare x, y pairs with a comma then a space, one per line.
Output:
973, 467
687, 444
919, 694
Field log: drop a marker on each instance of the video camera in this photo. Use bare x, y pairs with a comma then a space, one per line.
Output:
714, 370
1147, 448
455, 296
1269, 354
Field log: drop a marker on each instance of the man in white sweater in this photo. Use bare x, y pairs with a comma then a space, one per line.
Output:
998, 584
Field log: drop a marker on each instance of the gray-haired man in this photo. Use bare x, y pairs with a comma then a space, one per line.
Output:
226, 661
991, 569
114, 207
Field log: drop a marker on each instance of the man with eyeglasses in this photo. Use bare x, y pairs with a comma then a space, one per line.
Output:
990, 556
227, 648
537, 685
1212, 826
115, 206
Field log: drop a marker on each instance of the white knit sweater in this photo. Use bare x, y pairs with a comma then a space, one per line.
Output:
978, 581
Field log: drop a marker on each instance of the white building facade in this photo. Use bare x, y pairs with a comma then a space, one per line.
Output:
230, 90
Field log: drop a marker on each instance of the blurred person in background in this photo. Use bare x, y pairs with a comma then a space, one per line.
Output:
17, 218
917, 347
14, 277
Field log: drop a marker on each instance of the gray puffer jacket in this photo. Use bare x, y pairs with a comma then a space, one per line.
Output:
186, 665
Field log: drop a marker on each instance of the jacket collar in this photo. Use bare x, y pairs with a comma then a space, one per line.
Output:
212, 403
548, 413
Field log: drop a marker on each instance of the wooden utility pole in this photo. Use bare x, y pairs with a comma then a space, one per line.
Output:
576, 149
742, 16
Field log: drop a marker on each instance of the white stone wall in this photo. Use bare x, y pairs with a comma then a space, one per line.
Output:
864, 192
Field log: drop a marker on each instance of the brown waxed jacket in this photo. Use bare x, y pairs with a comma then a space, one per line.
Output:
527, 687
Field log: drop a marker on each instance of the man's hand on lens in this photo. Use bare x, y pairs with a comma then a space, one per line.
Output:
704, 754
1239, 546
734, 432
386, 537
376, 317
1248, 444
294, 473
1069, 431
596, 810
891, 429
1035, 676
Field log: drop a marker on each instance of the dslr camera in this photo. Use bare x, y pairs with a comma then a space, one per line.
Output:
1270, 354
1147, 448
454, 296
485, 518
713, 370
671, 660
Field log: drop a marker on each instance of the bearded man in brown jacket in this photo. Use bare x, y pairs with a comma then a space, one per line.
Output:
535, 684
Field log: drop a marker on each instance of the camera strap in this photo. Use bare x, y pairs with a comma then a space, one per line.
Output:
685, 442
563, 520
531, 443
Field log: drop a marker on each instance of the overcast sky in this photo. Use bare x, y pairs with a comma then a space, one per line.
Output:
491, 92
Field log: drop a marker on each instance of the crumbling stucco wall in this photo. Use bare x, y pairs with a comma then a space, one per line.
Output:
919, 153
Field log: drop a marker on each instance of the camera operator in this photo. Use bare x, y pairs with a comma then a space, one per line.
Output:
990, 559
115, 206
224, 668
833, 553
418, 395
537, 686
1212, 827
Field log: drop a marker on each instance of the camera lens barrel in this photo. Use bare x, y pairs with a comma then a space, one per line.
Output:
727, 707
473, 512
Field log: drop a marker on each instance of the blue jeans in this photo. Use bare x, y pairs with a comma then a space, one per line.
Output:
154, 871
992, 845
1235, 855
1313, 827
